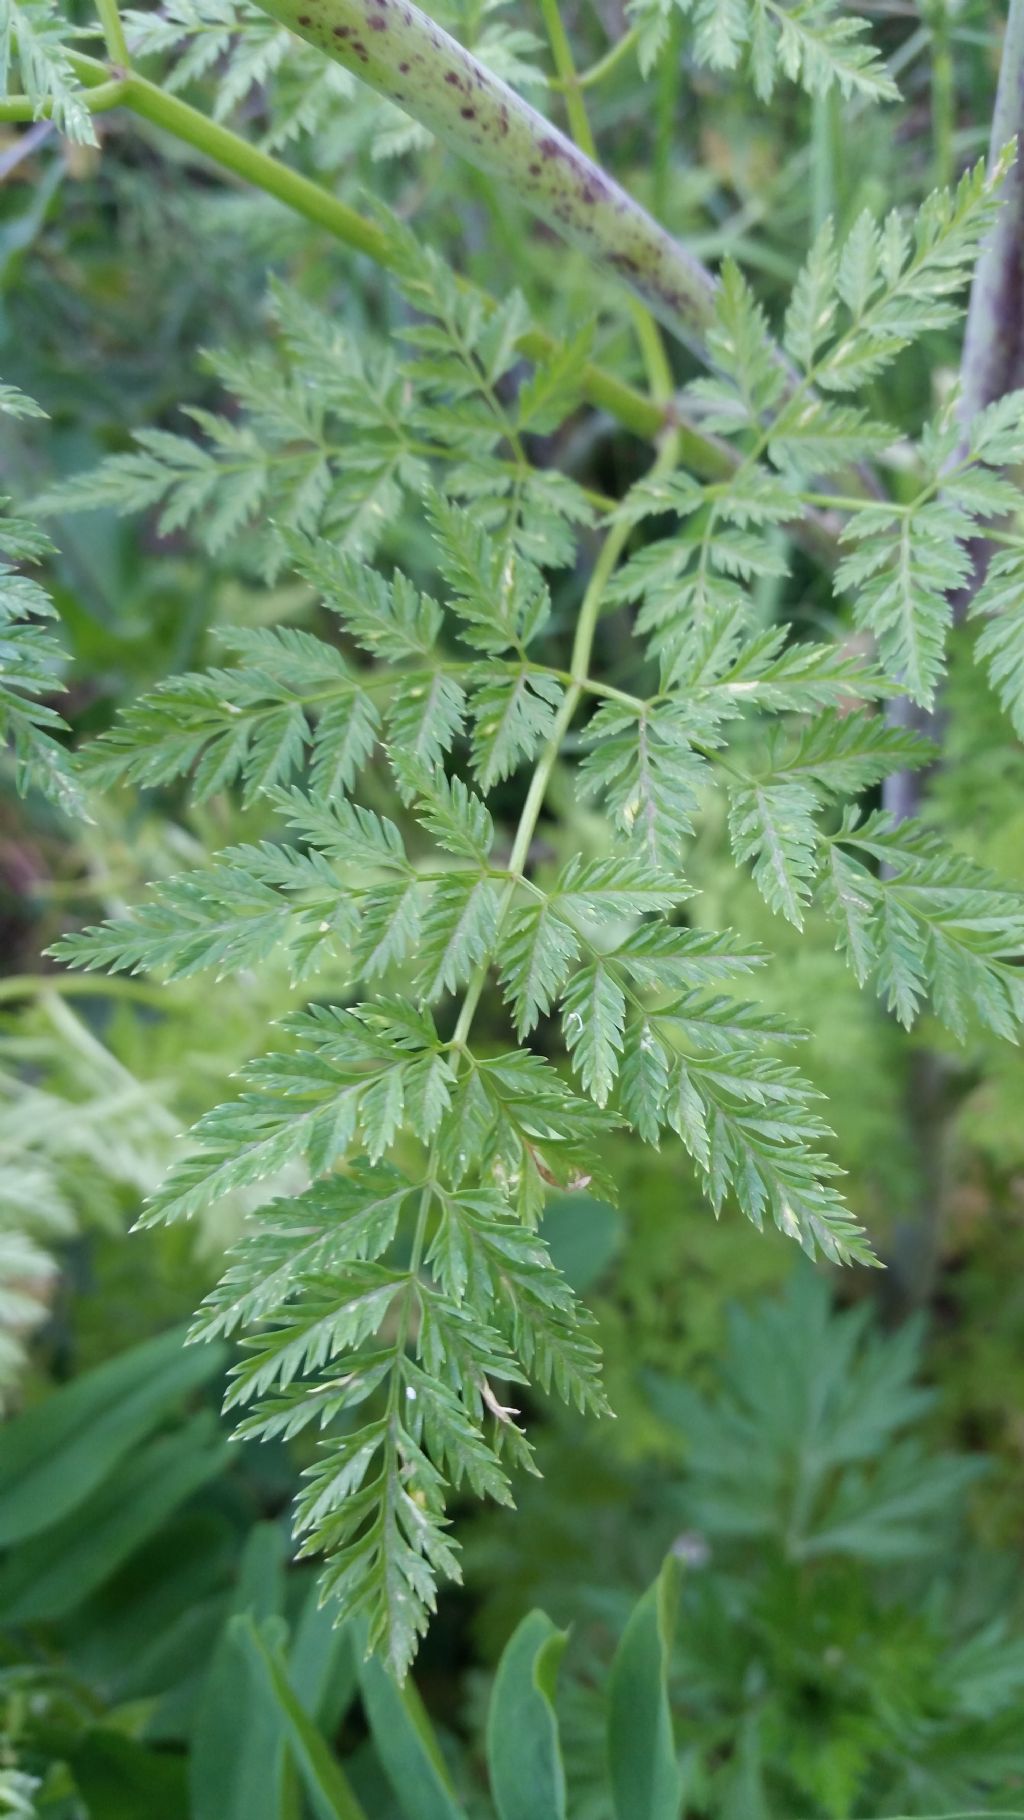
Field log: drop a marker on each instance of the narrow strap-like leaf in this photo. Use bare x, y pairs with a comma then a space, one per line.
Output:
645, 1777
328, 1786
408, 1752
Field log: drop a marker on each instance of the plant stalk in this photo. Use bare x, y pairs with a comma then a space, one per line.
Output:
579, 664
98, 101
401, 53
943, 93
992, 364
113, 32
659, 371
610, 61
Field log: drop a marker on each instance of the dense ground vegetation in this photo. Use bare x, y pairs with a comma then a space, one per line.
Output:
511, 885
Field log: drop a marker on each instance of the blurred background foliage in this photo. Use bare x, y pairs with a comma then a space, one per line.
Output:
838, 1464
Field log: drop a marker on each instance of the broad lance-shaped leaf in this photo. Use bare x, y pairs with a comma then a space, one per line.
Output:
524, 1756
403, 54
236, 1757
55, 1456
53, 1575
645, 1775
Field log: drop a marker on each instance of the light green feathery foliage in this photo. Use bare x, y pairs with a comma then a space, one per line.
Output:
30, 654
814, 44
390, 1300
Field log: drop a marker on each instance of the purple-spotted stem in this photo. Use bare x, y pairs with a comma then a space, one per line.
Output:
403, 54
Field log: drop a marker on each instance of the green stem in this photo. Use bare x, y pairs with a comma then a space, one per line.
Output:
97, 100
113, 32
243, 160
824, 114
659, 372
579, 665
561, 51
606, 64
582, 648
943, 95
665, 89
404, 55
419, 1245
